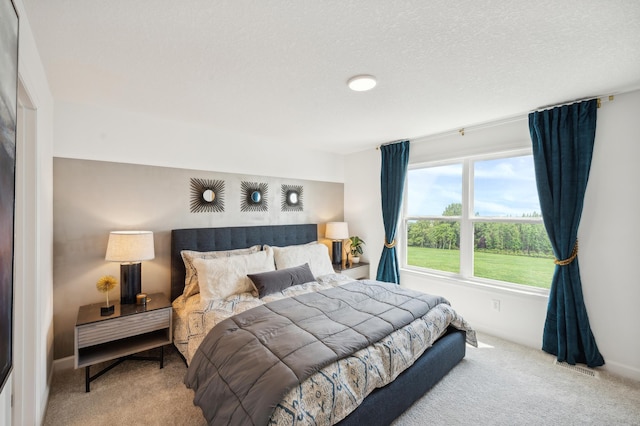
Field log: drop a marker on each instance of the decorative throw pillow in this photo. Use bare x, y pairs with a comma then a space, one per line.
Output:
191, 275
275, 281
316, 255
224, 277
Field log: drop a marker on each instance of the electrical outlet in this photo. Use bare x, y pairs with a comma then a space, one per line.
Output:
496, 304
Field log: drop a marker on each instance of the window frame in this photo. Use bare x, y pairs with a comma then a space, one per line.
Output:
467, 221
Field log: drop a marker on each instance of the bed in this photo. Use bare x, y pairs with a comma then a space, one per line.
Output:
380, 406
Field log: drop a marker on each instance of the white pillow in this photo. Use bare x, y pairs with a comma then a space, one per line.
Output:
316, 255
191, 275
224, 277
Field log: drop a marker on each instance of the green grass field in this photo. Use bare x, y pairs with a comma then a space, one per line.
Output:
532, 271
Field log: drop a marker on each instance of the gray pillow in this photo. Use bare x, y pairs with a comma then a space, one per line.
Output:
275, 281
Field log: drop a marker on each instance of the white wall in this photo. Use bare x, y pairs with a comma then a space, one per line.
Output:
106, 134
35, 194
608, 242
362, 204
609, 235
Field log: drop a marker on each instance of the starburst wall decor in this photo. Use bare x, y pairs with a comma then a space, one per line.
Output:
292, 198
207, 195
253, 197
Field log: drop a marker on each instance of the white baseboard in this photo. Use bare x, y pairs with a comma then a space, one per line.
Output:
612, 367
621, 370
63, 364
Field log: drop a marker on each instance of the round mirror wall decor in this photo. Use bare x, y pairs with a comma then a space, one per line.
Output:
253, 197
291, 198
207, 195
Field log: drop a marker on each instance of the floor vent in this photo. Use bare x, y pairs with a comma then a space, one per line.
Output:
586, 371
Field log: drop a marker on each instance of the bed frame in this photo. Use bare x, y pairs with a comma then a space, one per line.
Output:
383, 405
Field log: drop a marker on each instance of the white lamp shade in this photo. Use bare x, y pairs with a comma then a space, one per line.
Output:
337, 231
130, 246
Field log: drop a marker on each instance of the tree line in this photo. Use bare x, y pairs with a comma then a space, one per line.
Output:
522, 239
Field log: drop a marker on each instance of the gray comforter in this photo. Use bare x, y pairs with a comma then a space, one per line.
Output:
248, 362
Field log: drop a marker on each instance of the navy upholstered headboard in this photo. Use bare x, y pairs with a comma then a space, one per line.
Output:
212, 239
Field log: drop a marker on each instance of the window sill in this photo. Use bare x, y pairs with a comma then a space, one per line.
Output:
478, 283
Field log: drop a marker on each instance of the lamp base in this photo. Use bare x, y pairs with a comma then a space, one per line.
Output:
130, 282
105, 311
336, 252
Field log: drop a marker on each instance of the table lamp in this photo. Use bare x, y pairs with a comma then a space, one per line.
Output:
130, 248
337, 231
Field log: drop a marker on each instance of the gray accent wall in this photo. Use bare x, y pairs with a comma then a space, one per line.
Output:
92, 198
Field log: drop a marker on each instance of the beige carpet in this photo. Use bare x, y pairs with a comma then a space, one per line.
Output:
500, 383
133, 393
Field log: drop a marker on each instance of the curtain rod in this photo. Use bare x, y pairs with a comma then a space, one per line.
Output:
389, 143
600, 99
461, 131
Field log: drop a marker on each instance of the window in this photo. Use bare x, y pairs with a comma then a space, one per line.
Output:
478, 218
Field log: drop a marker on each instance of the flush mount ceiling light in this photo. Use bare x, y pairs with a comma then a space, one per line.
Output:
362, 83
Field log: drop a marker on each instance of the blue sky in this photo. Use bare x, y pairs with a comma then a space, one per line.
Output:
503, 187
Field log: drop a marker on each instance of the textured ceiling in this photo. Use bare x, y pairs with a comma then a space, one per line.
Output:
276, 71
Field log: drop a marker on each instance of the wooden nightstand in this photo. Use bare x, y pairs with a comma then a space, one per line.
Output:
357, 271
129, 330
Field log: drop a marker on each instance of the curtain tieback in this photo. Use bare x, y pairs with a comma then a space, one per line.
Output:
389, 245
574, 254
